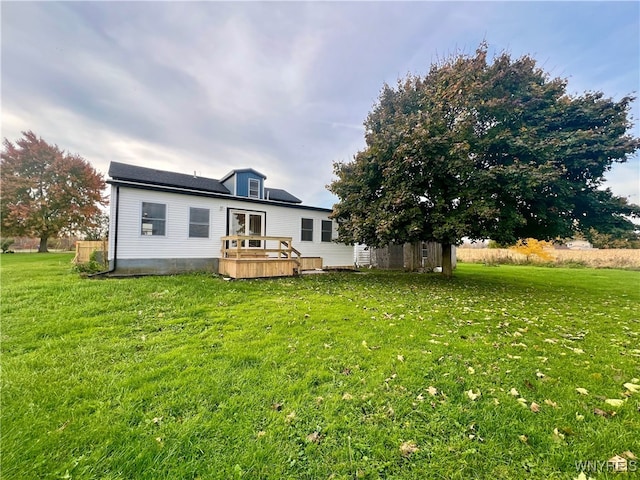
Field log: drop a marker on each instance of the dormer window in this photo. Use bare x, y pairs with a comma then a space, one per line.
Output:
254, 188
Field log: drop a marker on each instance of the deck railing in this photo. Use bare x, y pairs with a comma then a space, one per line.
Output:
258, 247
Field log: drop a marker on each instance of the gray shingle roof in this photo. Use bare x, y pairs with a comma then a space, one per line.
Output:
122, 171
151, 176
280, 195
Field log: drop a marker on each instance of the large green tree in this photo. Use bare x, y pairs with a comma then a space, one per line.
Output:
484, 149
46, 191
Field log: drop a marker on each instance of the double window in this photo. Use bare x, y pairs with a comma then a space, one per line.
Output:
306, 230
154, 219
198, 222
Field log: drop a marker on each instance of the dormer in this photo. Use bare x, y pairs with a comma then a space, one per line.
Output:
245, 182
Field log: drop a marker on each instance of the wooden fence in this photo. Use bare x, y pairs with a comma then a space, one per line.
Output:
85, 248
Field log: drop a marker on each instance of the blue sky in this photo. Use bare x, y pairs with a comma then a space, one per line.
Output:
279, 87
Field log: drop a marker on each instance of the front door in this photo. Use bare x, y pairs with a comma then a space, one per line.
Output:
245, 222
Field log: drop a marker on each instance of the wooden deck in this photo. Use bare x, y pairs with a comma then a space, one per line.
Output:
253, 256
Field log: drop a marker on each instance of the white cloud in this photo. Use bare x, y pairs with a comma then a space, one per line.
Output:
279, 87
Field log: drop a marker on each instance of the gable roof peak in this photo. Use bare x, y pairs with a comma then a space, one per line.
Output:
242, 170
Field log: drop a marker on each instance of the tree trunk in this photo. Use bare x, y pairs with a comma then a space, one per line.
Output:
447, 266
43, 245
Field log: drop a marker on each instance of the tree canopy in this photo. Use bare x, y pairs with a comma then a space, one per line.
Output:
46, 191
484, 150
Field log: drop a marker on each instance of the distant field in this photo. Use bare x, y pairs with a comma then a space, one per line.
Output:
610, 258
507, 372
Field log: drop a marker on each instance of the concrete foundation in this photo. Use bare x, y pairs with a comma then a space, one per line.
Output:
165, 266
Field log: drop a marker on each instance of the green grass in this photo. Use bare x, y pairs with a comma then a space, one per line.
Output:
196, 377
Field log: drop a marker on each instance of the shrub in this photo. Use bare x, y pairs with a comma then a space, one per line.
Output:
5, 245
93, 265
531, 246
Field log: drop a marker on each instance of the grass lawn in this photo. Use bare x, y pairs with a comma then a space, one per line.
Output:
345, 375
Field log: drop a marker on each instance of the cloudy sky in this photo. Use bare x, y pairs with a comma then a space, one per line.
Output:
279, 87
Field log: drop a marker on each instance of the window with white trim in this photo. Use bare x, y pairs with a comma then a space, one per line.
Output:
327, 230
254, 188
198, 222
306, 230
154, 219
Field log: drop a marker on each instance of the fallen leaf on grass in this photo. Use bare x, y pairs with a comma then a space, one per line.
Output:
313, 437
471, 370
551, 403
407, 448
289, 418
582, 476
523, 438
432, 391
617, 464
614, 402
628, 454
347, 396
400, 358
632, 387
535, 408
473, 396
261, 434
601, 413
276, 406
514, 392
582, 391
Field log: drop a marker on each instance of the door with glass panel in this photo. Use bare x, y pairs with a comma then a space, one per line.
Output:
243, 222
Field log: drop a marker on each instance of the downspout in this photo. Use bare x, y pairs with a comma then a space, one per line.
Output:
115, 239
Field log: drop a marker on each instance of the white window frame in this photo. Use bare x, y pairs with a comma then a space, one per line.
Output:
303, 230
256, 183
208, 224
148, 232
323, 231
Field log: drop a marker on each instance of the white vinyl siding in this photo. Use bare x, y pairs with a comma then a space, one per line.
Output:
279, 220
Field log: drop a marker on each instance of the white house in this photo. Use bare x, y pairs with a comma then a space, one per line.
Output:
164, 222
